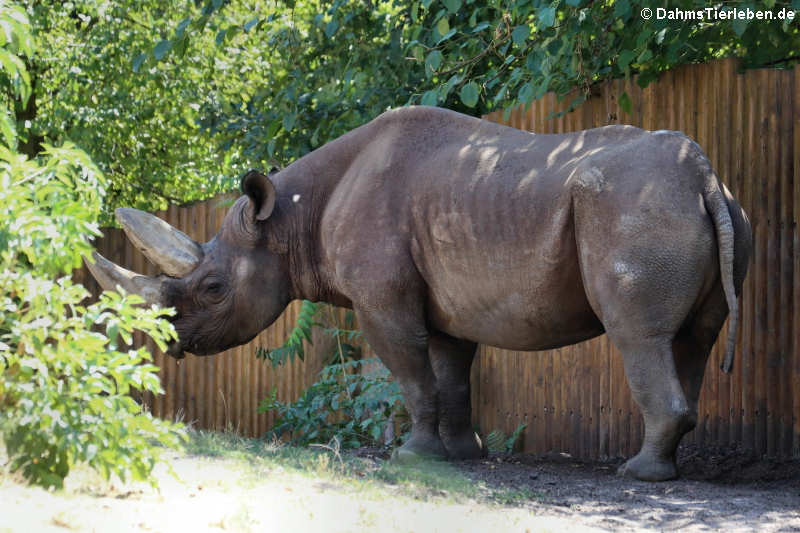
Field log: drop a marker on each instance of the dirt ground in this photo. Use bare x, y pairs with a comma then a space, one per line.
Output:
722, 490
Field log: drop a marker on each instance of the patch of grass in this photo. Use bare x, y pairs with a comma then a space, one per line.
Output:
508, 496
427, 478
374, 478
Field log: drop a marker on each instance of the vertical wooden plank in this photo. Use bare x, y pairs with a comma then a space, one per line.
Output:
547, 408
537, 410
771, 362
796, 273
558, 402
576, 386
750, 184
736, 173
238, 390
721, 127
760, 271
615, 410
785, 111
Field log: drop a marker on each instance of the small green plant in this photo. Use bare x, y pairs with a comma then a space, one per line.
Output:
498, 442
294, 345
345, 404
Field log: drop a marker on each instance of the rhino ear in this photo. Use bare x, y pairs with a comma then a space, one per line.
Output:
261, 192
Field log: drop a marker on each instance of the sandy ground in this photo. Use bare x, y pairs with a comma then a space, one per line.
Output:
215, 494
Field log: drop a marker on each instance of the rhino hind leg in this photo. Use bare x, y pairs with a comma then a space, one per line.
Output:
668, 391
452, 359
401, 342
656, 388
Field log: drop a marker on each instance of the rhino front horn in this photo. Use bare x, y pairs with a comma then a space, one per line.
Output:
110, 275
174, 252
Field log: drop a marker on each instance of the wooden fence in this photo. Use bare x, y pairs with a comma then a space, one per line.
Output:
576, 399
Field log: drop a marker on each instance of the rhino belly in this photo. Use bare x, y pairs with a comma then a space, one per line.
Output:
516, 312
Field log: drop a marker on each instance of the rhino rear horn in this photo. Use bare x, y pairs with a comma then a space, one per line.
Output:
110, 275
174, 252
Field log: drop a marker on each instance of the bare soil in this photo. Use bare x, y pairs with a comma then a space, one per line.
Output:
720, 489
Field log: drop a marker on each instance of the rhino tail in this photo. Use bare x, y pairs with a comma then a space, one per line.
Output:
717, 206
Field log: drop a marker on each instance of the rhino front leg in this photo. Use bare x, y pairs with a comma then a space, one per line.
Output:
451, 359
401, 342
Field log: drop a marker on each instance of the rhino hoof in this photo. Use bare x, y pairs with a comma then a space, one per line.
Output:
648, 468
467, 446
409, 455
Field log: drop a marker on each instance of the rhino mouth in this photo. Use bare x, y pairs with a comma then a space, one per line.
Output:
175, 350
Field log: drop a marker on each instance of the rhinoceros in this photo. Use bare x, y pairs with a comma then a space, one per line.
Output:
443, 231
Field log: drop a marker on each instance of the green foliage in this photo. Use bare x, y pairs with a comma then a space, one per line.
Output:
497, 441
293, 347
344, 403
96, 84
65, 378
495, 55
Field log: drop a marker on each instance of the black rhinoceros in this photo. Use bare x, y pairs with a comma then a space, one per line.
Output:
443, 231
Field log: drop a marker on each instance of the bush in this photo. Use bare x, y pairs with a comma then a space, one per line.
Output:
353, 407
65, 376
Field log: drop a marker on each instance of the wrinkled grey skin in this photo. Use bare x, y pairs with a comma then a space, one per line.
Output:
443, 231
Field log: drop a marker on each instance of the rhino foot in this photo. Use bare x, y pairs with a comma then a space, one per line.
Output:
465, 446
419, 449
648, 467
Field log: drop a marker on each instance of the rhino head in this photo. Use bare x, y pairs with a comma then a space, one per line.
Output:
224, 291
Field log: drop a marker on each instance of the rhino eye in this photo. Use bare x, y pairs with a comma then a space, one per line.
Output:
214, 288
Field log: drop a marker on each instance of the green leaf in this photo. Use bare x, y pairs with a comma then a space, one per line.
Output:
430, 98
249, 24
624, 59
452, 5
162, 49
574, 3
8, 130
622, 9
645, 56
432, 62
469, 94
331, 28
525, 94
546, 17
182, 25
288, 121
739, 26
625, 102
520, 34
443, 26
